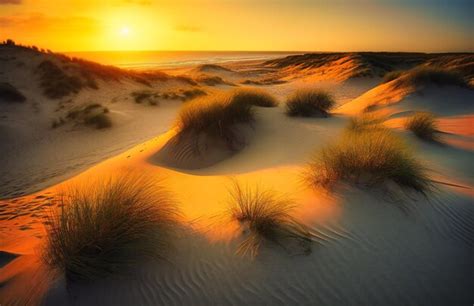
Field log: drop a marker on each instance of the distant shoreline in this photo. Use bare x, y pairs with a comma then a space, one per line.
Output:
174, 59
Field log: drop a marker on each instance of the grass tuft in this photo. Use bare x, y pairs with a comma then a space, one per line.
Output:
366, 121
254, 97
309, 103
99, 121
267, 217
371, 156
422, 76
215, 116
392, 75
55, 82
423, 125
108, 227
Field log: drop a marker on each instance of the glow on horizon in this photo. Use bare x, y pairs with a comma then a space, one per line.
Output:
266, 25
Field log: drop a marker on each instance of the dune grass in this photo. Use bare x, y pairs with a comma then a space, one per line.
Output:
392, 75
144, 95
425, 75
254, 97
423, 125
371, 156
216, 116
99, 121
94, 115
55, 83
10, 94
267, 217
365, 121
107, 227
309, 103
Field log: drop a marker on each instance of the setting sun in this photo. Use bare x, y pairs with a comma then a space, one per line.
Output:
125, 31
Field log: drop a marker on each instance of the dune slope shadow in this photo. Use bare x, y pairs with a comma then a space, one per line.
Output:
196, 151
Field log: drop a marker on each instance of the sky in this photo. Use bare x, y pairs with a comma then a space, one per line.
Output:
244, 25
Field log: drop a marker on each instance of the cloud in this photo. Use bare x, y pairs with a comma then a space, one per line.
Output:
38, 21
187, 28
10, 2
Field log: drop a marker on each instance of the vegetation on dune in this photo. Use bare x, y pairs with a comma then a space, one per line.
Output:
368, 154
423, 125
267, 218
212, 80
55, 83
189, 94
94, 114
426, 75
254, 97
145, 95
99, 121
366, 121
108, 227
10, 94
392, 75
152, 97
216, 116
309, 103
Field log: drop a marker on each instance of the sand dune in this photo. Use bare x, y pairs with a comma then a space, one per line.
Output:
367, 251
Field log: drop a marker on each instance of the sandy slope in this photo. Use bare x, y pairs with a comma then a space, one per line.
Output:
369, 251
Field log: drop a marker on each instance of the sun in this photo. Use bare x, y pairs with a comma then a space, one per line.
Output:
124, 31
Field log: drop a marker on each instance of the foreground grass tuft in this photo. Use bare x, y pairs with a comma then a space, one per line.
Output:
267, 217
215, 116
309, 103
108, 227
423, 125
369, 156
254, 97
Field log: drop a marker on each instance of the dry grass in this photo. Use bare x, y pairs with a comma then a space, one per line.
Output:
254, 97
55, 83
371, 156
215, 116
392, 75
95, 115
365, 121
423, 125
145, 96
108, 227
99, 121
422, 76
267, 217
309, 103
10, 94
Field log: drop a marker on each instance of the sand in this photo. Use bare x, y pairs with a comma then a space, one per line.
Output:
368, 251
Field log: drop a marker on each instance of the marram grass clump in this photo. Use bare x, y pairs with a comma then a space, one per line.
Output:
268, 218
425, 75
254, 97
109, 226
369, 156
423, 125
215, 116
309, 103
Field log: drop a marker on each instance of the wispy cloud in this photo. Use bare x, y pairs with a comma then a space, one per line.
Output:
40, 21
187, 28
10, 2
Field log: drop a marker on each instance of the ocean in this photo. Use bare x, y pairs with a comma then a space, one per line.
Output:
173, 59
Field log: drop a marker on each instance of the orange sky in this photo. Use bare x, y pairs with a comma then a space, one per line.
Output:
82, 25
